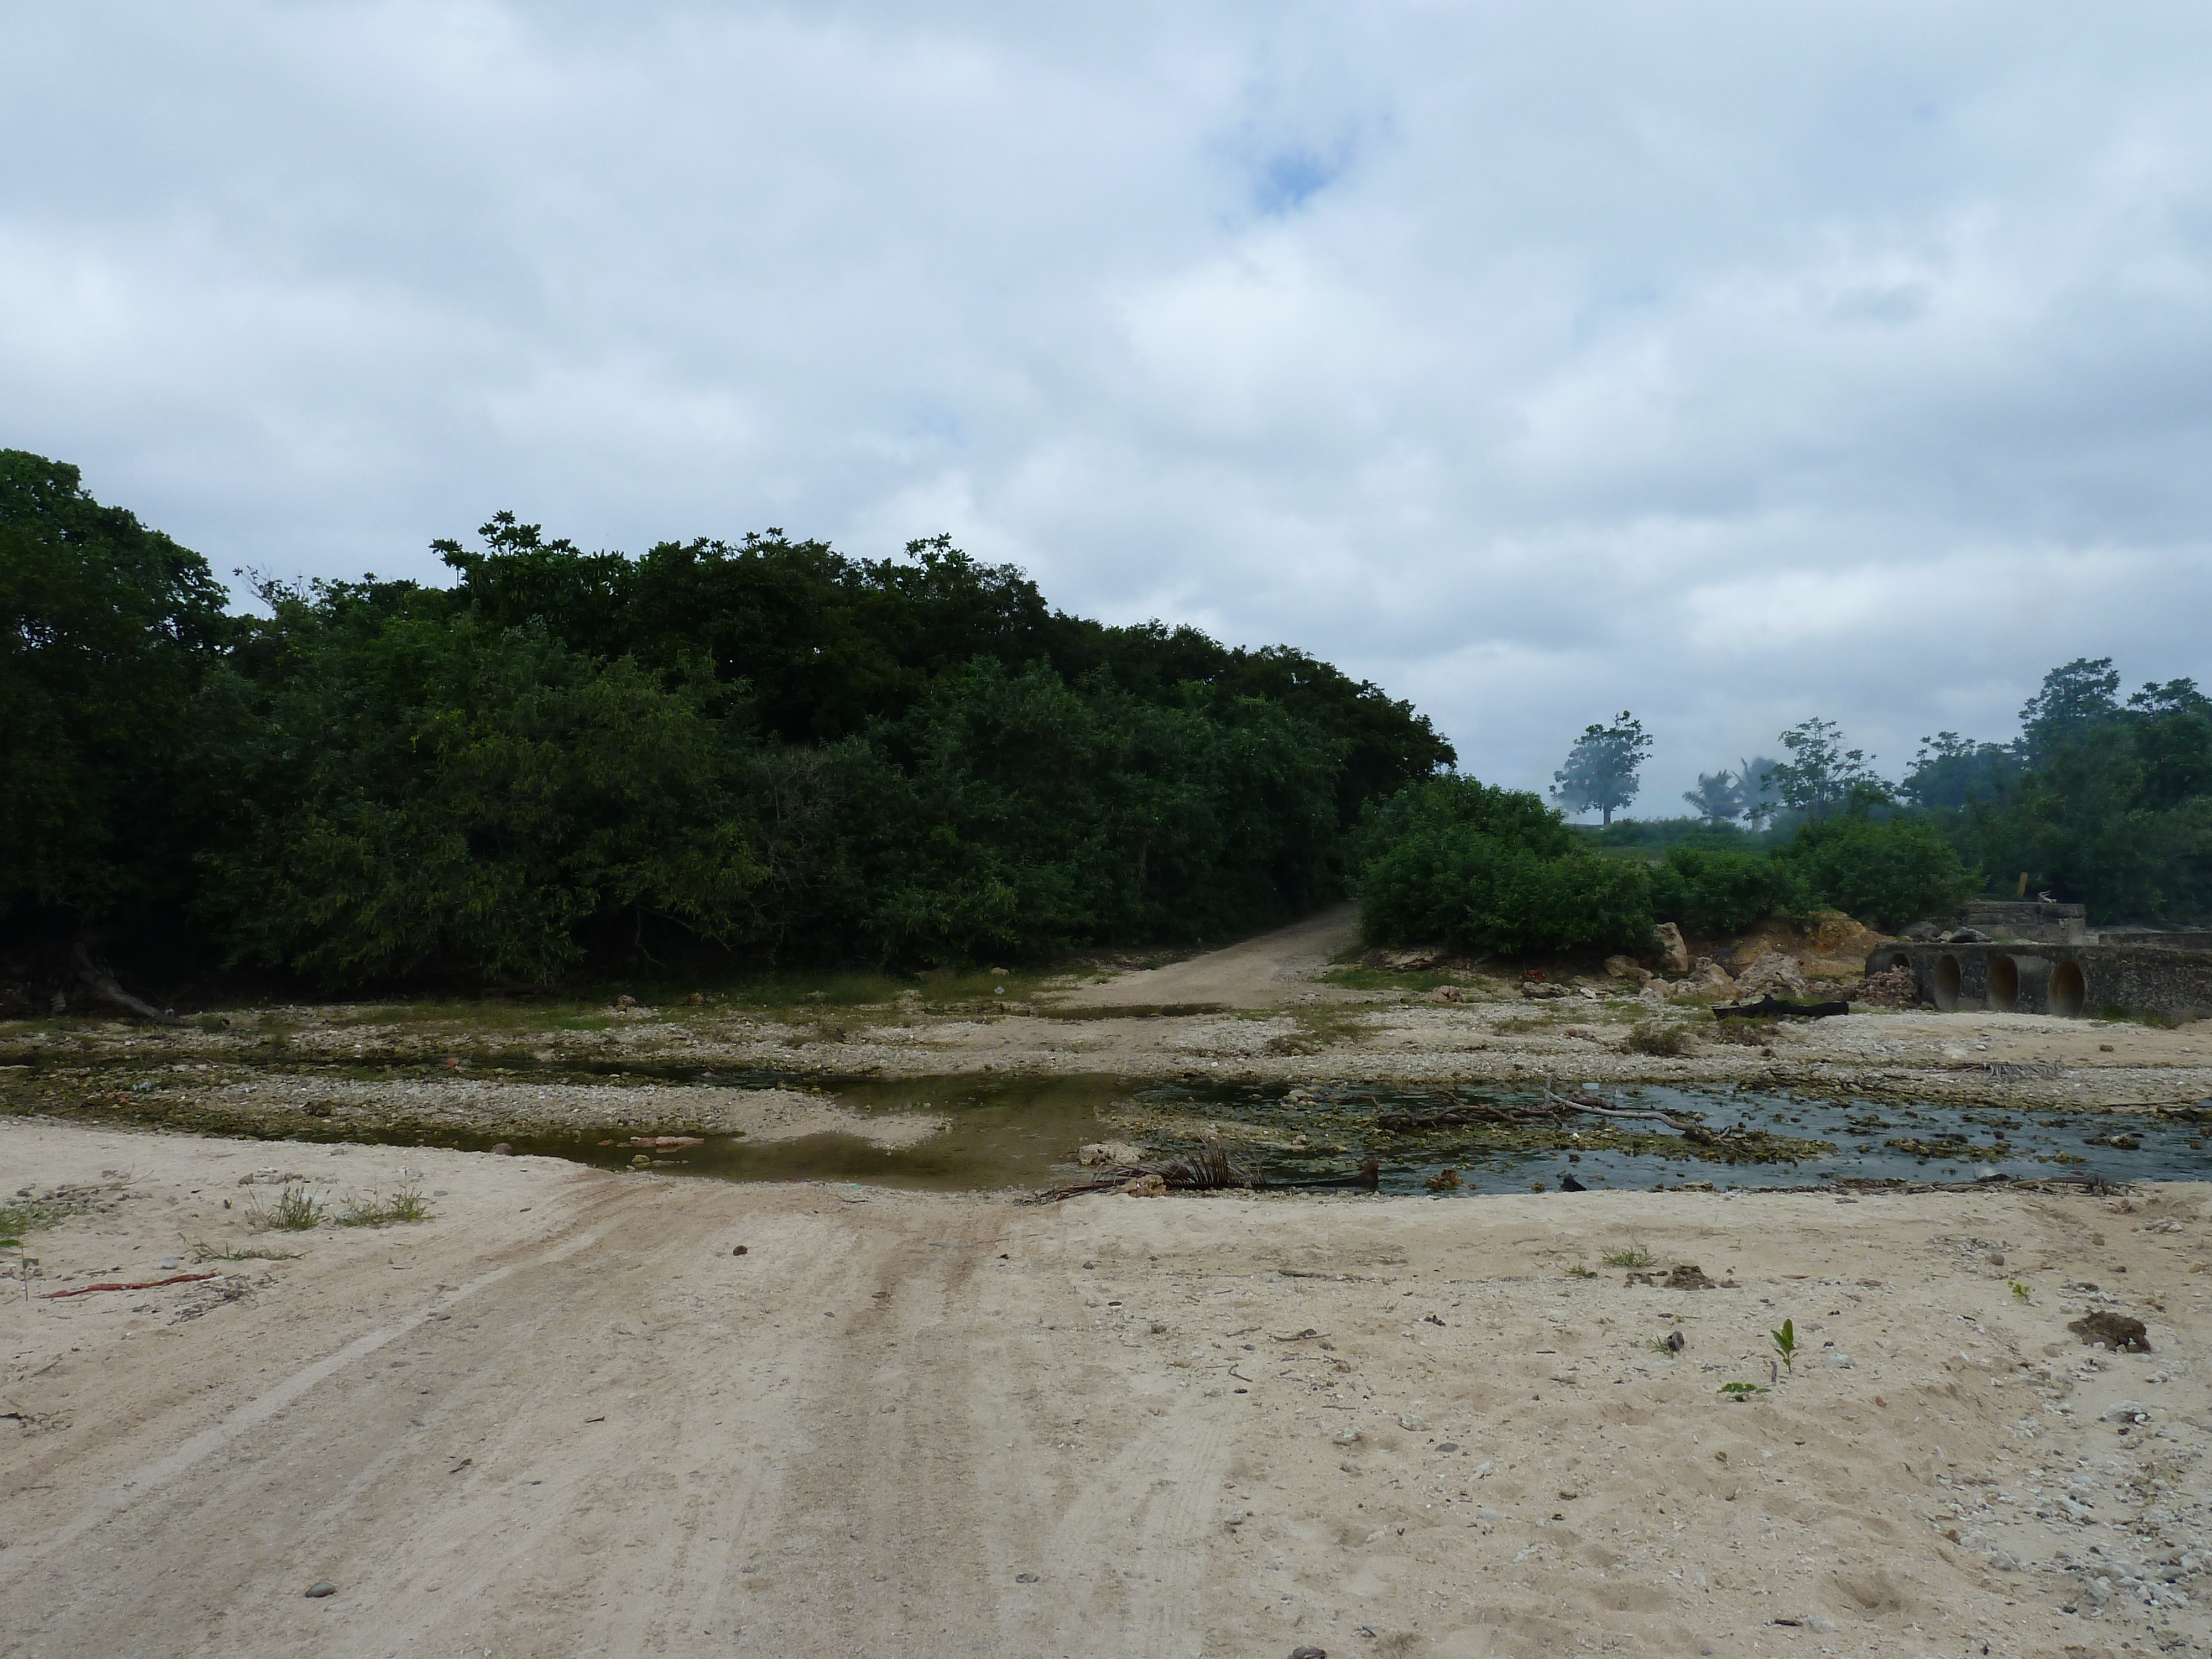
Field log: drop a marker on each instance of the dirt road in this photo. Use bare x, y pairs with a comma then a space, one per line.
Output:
562, 1418
1263, 972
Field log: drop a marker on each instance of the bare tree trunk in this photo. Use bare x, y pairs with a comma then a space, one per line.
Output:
101, 983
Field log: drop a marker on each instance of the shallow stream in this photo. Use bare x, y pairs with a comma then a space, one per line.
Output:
1023, 1131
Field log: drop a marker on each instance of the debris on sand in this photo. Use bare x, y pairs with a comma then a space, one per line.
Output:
2115, 1331
1683, 1276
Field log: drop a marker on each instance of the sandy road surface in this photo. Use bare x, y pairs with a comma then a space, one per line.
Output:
1260, 973
562, 1419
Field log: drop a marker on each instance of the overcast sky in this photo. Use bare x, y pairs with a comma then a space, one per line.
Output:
1729, 363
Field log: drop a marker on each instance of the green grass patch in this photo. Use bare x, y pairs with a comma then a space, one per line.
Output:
404, 1205
1352, 978
1663, 1041
1634, 1256
26, 1215
1319, 1028
296, 1211
203, 1251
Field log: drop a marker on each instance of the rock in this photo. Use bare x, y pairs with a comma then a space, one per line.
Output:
741, 1249
502, 1150
696, 1001
1569, 1184
1100, 1153
1416, 961
1624, 968
321, 1588
623, 1003
1771, 974
1445, 994
1892, 988
2114, 1331
1309, 1653
2126, 1411
1677, 1342
1145, 1185
1543, 990
640, 1160
1674, 953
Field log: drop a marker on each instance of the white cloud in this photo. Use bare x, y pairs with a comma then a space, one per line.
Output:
1728, 364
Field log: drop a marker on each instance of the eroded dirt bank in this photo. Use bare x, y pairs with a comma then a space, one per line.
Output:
561, 1417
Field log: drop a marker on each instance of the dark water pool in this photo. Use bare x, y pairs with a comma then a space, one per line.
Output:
1024, 1133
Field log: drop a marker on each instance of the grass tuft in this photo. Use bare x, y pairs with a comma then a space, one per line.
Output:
203, 1251
296, 1211
406, 1205
1634, 1257
1666, 1041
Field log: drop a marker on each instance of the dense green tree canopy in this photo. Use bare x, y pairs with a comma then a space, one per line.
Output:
736, 751
107, 631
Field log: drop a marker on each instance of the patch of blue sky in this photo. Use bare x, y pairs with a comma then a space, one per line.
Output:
1285, 181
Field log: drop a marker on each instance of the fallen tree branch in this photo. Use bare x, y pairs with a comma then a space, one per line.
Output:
102, 984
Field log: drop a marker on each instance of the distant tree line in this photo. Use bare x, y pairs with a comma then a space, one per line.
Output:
738, 752
2099, 800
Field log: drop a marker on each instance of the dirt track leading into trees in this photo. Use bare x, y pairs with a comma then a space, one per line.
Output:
1259, 973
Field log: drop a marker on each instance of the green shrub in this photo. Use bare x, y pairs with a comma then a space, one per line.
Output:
1724, 892
1453, 861
1885, 874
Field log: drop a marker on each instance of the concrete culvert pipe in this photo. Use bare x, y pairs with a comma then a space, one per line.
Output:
2069, 991
2005, 984
1947, 983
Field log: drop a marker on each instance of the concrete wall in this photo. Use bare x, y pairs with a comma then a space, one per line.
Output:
2073, 980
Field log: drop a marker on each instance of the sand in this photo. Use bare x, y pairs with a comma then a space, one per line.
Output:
560, 1417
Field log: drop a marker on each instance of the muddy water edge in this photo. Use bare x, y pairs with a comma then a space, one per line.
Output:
1013, 1132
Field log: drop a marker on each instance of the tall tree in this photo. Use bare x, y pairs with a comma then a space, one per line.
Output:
1718, 797
1601, 774
107, 629
1821, 775
2073, 698
1755, 781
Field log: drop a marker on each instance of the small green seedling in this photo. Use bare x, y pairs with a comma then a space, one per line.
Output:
1786, 1344
1740, 1392
24, 1263
1582, 1270
2019, 1289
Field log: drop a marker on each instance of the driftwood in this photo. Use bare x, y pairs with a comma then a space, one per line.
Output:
1463, 1114
1773, 1007
101, 983
1206, 1171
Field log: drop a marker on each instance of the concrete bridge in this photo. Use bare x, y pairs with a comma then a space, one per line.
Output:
2073, 980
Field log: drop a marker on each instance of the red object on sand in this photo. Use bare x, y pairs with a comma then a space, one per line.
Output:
142, 1285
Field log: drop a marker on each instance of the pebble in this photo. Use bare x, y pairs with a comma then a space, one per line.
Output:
322, 1587
1309, 1653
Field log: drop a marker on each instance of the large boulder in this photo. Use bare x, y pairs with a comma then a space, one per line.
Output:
1625, 968
1673, 952
1771, 974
